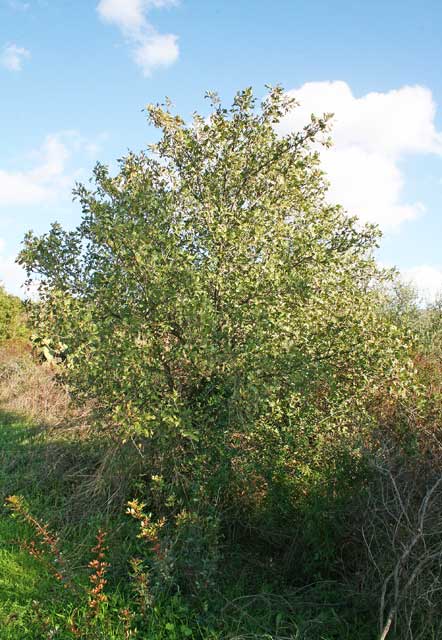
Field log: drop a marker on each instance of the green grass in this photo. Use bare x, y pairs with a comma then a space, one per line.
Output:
48, 469
22, 579
34, 466
45, 470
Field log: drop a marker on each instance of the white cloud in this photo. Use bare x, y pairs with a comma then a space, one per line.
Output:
371, 135
49, 176
43, 182
426, 278
150, 49
158, 50
12, 57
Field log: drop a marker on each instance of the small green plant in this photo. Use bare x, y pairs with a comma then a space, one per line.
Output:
97, 579
183, 553
87, 613
45, 541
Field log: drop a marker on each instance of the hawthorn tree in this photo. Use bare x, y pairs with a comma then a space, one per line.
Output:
213, 303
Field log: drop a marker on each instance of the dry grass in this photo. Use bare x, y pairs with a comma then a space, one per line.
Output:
30, 388
66, 442
402, 535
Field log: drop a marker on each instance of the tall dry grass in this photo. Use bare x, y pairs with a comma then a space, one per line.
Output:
30, 388
69, 447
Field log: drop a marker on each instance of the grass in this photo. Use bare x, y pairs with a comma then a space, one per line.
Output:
36, 466
28, 593
25, 469
22, 579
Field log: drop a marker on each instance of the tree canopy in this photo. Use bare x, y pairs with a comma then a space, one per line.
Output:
212, 297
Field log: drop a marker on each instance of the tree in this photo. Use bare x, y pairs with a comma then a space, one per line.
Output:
12, 317
213, 303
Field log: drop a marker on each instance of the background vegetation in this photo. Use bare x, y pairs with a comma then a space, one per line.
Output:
12, 317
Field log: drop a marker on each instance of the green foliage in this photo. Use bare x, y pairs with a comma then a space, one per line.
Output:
231, 329
12, 317
182, 554
221, 315
422, 319
210, 289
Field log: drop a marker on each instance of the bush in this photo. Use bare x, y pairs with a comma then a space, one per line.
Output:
224, 316
12, 317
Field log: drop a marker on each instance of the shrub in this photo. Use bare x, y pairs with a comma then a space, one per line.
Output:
12, 317
222, 314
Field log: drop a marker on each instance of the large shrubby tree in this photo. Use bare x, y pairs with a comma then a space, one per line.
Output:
214, 304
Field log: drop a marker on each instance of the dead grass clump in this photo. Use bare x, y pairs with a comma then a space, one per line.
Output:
68, 447
30, 388
402, 536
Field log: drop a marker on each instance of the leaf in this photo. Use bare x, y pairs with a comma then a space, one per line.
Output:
186, 631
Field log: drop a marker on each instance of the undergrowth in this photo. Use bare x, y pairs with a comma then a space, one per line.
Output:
66, 495
99, 548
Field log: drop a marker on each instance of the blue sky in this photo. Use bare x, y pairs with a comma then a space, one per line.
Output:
74, 77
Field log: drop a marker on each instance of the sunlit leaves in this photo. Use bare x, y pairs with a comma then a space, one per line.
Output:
211, 291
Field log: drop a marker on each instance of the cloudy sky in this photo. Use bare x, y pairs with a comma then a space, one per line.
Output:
75, 75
